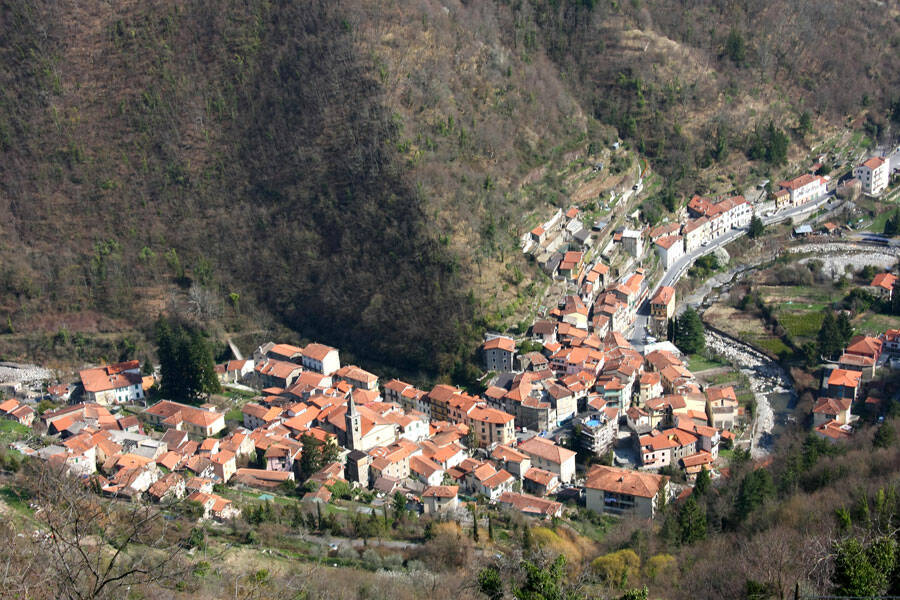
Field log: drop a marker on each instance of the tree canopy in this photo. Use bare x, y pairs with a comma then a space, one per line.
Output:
689, 335
186, 362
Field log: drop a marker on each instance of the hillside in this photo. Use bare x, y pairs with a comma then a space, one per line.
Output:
357, 172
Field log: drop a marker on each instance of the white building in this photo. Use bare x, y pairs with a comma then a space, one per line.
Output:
113, 384
873, 174
321, 358
805, 188
670, 249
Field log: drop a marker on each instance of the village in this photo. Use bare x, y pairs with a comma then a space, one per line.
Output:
582, 410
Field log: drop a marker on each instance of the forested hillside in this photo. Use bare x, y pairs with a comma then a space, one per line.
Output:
359, 172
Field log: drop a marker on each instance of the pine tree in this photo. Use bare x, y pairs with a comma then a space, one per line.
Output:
702, 483
186, 362
844, 330
490, 528
828, 337
757, 228
689, 334
692, 521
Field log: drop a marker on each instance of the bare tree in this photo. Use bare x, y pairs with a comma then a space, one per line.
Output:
87, 547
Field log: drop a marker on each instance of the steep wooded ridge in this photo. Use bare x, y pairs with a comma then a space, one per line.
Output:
352, 170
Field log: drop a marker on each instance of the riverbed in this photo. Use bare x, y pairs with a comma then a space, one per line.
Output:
772, 387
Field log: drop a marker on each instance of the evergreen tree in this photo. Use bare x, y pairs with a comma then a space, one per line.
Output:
829, 336
186, 362
863, 572
756, 227
844, 330
689, 333
691, 521
736, 48
490, 528
490, 583
702, 483
310, 456
756, 487
885, 436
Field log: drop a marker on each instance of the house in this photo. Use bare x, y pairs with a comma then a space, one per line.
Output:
544, 331
261, 478
540, 482
545, 454
113, 384
722, 406
515, 462
610, 490
649, 387
14, 410
670, 249
662, 448
696, 232
426, 470
833, 431
891, 339
484, 479
285, 353
491, 426
358, 378
571, 266
832, 409
855, 362
214, 506
320, 358
498, 354
440, 499
803, 189
842, 383
631, 242
883, 285
874, 175
638, 420
234, 371
864, 345
598, 430
276, 373
662, 305
256, 415
530, 505
392, 461
170, 485
196, 421
224, 465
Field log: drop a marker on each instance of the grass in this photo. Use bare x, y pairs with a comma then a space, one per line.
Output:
10, 431
875, 323
772, 345
698, 362
726, 454
234, 414
801, 324
14, 499
877, 225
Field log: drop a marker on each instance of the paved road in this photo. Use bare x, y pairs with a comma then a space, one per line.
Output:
676, 271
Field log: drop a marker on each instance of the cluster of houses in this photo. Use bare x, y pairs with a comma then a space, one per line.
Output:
842, 384
559, 244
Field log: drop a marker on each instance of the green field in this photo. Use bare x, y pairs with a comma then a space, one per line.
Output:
802, 324
10, 431
698, 362
875, 324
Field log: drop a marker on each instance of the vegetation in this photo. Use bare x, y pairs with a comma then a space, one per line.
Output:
756, 227
689, 334
186, 362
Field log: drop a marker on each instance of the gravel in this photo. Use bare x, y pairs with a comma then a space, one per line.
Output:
838, 262
27, 375
765, 375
